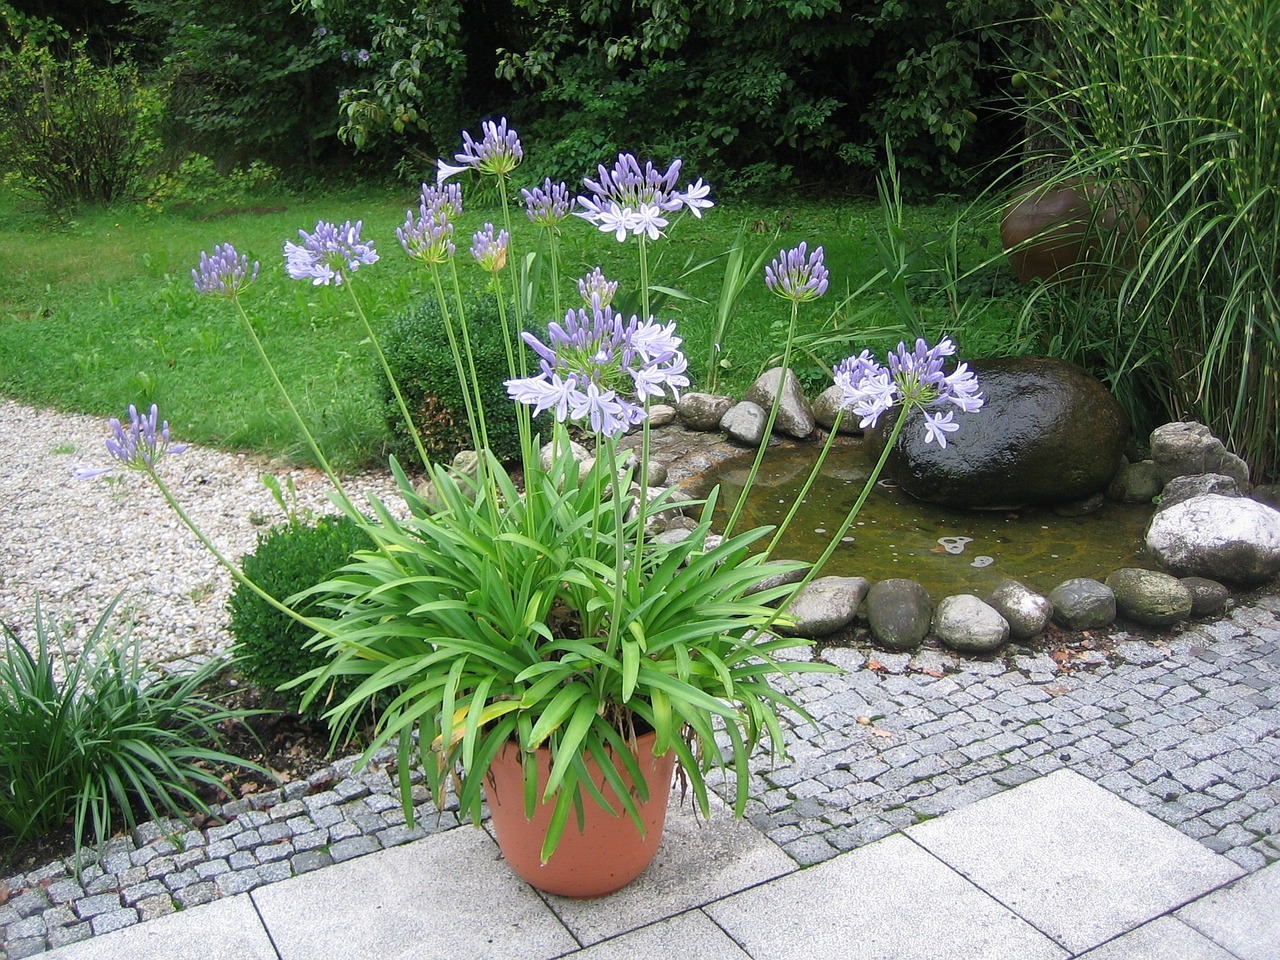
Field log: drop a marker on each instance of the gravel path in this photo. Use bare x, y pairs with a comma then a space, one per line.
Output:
75, 544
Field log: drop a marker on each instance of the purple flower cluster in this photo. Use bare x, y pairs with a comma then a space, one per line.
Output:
139, 446
224, 273
429, 236
596, 362
490, 250
797, 275
912, 378
548, 204
595, 287
328, 254
630, 201
498, 152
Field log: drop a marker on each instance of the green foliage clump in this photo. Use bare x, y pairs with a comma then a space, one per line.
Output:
95, 737
1167, 108
419, 355
71, 131
273, 648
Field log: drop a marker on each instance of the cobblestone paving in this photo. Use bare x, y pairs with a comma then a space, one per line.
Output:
1186, 728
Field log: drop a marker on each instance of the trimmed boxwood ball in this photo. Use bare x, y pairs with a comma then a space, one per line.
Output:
271, 647
417, 351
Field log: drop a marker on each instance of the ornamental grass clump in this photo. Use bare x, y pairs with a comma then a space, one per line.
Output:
96, 739
537, 606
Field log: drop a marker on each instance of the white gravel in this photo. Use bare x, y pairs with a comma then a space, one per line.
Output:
75, 544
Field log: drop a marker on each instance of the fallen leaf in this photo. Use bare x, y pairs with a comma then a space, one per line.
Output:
865, 721
932, 672
1057, 689
876, 665
4, 893
877, 732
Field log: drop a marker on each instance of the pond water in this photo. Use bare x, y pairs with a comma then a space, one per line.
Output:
948, 551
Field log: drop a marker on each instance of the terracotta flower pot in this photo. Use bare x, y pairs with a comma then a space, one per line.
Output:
1059, 232
609, 852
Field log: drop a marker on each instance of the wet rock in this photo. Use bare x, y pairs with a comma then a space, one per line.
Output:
744, 423
899, 612
1182, 449
1150, 597
1026, 611
673, 535
795, 416
657, 469
965, 623
1136, 483
1268, 493
825, 606
1232, 539
1080, 508
1083, 604
1196, 485
1047, 433
1208, 597
827, 406
703, 411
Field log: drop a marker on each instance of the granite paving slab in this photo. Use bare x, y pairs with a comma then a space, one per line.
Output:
690, 936
223, 930
889, 899
447, 897
1162, 939
1244, 917
698, 861
1076, 861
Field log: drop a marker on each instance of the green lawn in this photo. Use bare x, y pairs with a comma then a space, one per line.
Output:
99, 311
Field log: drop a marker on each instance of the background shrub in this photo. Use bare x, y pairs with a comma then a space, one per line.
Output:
71, 131
94, 737
417, 351
271, 647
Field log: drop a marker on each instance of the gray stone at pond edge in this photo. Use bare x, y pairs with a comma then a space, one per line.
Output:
965, 623
1208, 597
1026, 611
1182, 449
1136, 483
1083, 604
795, 416
1150, 597
661, 414
824, 606
745, 423
548, 453
1196, 485
779, 579
1048, 432
827, 406
1232, 539
703, 411
899, 612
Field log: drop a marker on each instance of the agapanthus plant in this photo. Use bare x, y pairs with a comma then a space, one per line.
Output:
532, 606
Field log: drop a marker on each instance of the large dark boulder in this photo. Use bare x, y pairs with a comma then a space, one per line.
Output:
1048, 432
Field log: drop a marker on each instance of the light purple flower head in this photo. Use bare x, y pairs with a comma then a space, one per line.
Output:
548, 204
490, 250
139, 446
913, 378
600, 368
498, 152
328, 254
797, 275
429, 236
630, 201
596, 287
224, 273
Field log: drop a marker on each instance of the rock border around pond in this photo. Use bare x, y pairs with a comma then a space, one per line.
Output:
1211, 532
